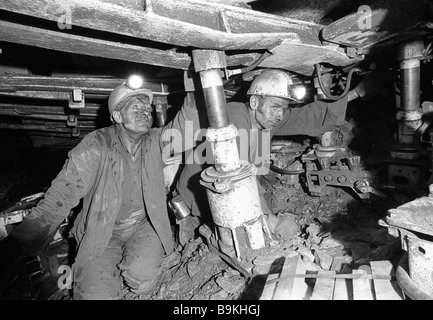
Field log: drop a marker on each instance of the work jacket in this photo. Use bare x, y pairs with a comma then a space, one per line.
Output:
94, 172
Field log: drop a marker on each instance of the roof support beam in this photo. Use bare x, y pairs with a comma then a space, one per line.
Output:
185, 23
62, 41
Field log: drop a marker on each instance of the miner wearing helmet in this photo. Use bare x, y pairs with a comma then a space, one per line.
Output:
123, 229
270, 96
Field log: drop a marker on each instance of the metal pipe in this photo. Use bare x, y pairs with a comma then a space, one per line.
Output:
209, 64
325, 91
214, 97
246, 69
410, 114
410, 73
88, 85
89, 110
43, 128
221, 133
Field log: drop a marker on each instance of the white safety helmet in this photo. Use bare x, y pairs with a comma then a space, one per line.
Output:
133, 86
276, 83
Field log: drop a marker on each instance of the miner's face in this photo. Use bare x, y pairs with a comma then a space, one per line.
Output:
136, 115
270, 111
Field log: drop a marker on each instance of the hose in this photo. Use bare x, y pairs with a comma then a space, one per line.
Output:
246, 69
346, 90
282, 171
406, 283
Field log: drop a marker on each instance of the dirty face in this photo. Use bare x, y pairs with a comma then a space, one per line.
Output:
270, 111
137, 115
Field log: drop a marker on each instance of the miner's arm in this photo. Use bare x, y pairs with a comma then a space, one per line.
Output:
318, 117
178, 135
65, 192
312, 119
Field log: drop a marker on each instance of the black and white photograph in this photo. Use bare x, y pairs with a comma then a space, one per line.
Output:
216, 158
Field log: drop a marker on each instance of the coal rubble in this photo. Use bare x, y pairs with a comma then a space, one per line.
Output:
334, 232
193, 272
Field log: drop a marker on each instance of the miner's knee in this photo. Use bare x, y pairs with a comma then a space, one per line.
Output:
144, 279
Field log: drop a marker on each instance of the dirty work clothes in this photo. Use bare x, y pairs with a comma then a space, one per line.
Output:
132, 199
312, 119
133, 254
94, 172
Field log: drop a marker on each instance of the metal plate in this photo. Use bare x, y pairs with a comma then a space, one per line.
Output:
371, 26
420, 255
416, 215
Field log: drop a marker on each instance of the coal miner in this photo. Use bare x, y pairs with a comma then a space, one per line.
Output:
123, 229
267, 110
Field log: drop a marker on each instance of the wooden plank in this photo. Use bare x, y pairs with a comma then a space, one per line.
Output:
324, 288
362, 288
269, 289
385, 289
343, 289
335, 276
292, 288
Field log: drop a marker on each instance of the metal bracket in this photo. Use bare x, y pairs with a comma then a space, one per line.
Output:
320, 173
218, 186
76, 99
14, 217
72, 120
75, 132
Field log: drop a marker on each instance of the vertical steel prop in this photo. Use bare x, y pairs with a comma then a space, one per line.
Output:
231, 184
403, 171
409, 115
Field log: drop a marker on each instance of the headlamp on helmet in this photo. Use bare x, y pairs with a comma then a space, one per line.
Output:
277, 83
133, 86
299, 92
134, 82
